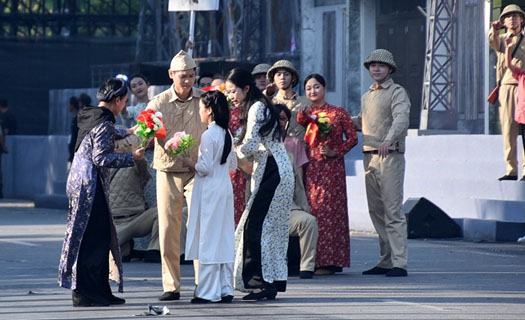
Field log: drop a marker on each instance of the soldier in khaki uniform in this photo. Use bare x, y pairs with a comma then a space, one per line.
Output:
259, 75
384, 119
285, 77
180, 109
511, 18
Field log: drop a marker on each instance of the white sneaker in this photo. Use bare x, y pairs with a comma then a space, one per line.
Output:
521, 240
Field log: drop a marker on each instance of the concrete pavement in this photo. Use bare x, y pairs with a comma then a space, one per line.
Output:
447, 280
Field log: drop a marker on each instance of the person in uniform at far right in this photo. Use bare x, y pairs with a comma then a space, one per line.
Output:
384, 120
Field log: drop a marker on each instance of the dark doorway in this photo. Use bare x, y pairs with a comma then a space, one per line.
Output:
401, 29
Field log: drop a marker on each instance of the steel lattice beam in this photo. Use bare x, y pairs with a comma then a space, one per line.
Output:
439, 73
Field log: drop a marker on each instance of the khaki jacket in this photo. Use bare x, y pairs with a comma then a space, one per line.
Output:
497, 42
384, 116
178, 115
294, 129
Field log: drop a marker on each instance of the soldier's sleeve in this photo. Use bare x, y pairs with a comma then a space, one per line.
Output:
153, 105
495, 40
400, 114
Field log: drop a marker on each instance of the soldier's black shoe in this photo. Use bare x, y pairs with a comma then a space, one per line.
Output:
169, 296
397, 272
306, 274
507, 177
376, 270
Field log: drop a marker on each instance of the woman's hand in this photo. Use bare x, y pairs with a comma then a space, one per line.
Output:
326, 151
138, 154
508, 40
132, 129
188, 163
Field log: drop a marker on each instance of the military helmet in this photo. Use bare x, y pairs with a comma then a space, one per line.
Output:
283, 64
261, 68
383, 56
511, 8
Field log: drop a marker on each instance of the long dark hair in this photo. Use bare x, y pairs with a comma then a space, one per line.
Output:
221, 115
279, 107
242, 78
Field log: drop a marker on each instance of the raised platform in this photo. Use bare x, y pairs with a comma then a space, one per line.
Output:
459, 174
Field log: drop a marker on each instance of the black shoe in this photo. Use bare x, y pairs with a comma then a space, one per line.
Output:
152, 256
116, 300
184, 261
376, 270
397, 272
507, 177
169, 296
522, 178
226, 299
269, 291
81, 301
199, 300
306, 274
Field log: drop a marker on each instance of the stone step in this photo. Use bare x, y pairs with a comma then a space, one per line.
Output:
491, 230
501, 210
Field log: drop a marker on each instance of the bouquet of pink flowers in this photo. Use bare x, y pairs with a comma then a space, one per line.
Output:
180, 144
150, 126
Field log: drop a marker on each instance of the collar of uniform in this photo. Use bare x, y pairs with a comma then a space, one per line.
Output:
294, 96
195, 92
383, 85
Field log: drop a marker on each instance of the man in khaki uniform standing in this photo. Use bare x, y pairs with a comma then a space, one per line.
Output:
285, 77
180, 109
511, 18
384, 120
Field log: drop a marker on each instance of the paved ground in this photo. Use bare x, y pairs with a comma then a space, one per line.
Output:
447, 280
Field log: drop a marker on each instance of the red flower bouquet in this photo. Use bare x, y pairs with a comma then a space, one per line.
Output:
322, 122
150, 126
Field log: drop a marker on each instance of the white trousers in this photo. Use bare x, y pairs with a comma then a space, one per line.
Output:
215, 281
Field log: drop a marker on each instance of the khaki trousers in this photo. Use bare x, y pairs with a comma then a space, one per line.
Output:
138, 226
509, 128
172, 188
384, 191
304, 225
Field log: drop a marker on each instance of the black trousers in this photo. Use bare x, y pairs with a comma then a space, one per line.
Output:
93, 256
252, 269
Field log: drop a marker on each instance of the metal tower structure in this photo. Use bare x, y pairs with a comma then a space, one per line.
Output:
67, 19
438, 101
157, 36
234, 32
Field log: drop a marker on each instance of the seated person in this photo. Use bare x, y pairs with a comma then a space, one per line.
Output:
130, 213
302, 223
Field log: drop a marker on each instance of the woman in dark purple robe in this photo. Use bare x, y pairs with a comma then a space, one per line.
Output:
91, 238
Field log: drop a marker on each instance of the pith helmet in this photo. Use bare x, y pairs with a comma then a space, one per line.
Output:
261, 68
283, 64
511, 8
383, 56
182, 61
